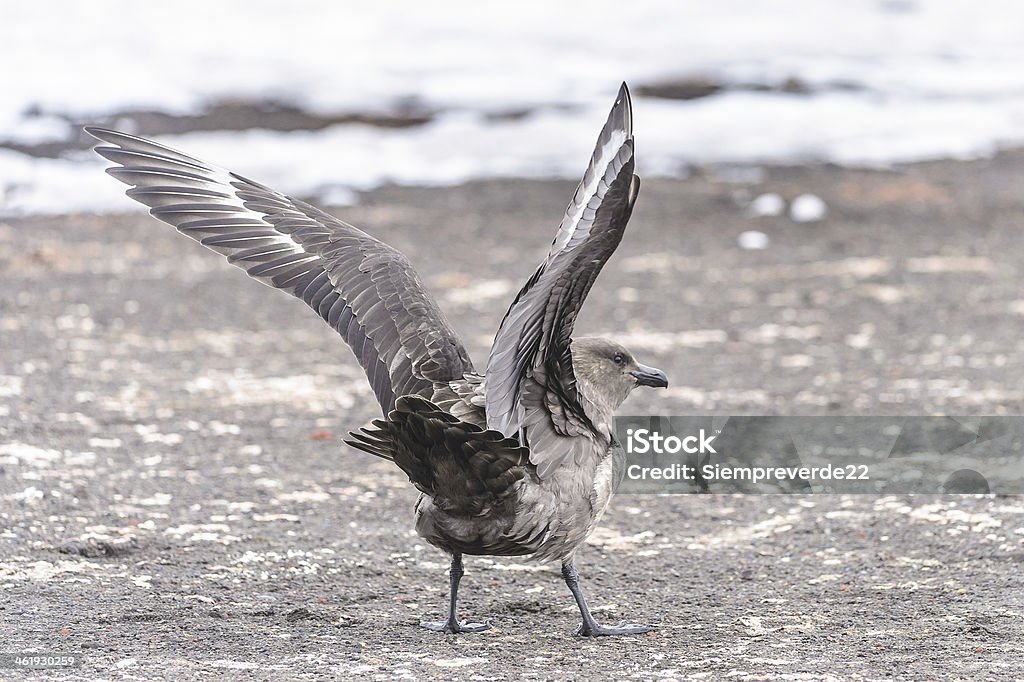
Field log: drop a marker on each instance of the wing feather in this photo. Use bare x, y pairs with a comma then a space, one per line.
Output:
531, 389
366, 290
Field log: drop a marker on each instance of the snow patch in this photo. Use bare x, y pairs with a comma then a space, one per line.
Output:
868, 86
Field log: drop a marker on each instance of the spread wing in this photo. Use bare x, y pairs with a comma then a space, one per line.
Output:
530, 388
363, 288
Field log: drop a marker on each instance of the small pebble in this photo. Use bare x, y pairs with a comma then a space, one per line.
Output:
767, 205
807, 208
752, 240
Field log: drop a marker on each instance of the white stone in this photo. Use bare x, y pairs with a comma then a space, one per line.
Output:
769, 204
753, 240
807, 208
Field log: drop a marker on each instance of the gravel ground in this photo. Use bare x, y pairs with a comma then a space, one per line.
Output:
176, 503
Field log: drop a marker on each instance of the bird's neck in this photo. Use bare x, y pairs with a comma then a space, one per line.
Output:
599, 412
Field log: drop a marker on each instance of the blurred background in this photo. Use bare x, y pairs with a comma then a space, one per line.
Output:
320, 98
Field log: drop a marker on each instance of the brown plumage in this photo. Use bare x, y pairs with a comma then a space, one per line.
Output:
517, 462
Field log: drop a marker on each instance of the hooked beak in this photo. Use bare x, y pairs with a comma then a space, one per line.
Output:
649, 376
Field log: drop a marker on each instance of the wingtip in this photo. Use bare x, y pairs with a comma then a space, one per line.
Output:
624, 105
95, 132
106, 135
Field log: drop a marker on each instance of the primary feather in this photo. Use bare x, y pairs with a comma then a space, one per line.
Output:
364, 289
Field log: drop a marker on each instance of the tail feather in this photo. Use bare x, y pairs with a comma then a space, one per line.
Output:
463, 467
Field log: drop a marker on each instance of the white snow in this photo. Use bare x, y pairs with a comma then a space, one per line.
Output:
27, 455
888, 81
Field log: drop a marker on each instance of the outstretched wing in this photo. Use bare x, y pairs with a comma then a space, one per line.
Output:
363, 288
531, 389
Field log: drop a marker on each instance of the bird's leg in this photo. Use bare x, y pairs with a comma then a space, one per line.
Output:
452, 625
589, 627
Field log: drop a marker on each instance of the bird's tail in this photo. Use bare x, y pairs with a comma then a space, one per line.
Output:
461, 466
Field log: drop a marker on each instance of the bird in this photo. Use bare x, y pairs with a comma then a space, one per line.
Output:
516, 461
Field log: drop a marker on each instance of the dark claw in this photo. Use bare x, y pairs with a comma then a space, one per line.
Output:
623, 628
450, 628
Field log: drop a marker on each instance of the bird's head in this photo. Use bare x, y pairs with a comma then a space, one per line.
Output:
609, 372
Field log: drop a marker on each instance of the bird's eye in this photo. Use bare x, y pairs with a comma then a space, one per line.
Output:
619, 359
